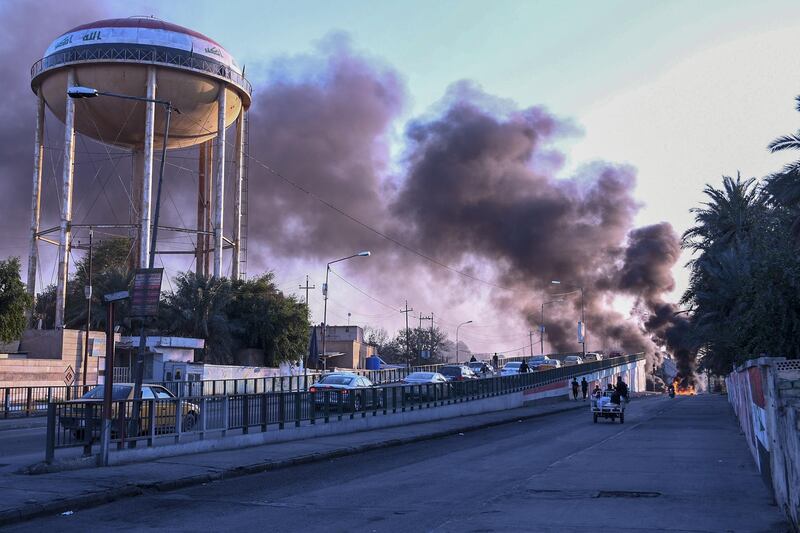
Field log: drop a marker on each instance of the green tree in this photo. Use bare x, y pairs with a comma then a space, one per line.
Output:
110, 273
197, 308
263, 317
14, 300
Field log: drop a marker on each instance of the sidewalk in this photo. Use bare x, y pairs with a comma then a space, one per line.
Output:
27, 496
23, 423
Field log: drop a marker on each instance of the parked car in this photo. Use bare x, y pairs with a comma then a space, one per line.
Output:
85, 413
572, 360
457, 372
592, 356
347, 385
481, 368
440, 387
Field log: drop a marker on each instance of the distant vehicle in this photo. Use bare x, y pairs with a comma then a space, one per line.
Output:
537, 359
384, 365
511, 369
76, 419
457, 373
603, 408
547, 364
442, 387
592, 356
481, 367
347, 385
572, 360
422, 378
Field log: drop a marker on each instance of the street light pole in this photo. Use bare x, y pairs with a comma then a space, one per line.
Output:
541, 326
88, 293
325, 304
457, 328
88, 92
582, 328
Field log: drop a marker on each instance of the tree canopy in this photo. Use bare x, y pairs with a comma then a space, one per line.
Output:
14, 300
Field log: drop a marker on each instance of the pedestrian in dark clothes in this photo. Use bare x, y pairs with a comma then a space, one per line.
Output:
584, 387
574, 389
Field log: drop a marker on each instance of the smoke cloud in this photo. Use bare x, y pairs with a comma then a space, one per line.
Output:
480, 187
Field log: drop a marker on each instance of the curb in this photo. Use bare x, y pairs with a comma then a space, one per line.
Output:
95, 499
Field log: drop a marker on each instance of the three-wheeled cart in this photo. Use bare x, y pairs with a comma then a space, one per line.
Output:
603, 408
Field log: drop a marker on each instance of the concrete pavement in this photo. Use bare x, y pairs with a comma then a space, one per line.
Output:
25, 496
675, 465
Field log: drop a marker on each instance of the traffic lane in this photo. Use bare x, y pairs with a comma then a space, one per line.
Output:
420, 486
21, 441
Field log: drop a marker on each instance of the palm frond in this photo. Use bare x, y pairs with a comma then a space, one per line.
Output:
785, 142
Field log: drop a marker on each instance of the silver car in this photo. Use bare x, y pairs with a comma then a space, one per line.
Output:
350, 387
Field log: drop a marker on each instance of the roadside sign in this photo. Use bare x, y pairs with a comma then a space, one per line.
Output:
146, 292
69, 375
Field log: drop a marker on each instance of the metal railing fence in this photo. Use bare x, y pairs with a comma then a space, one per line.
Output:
78, 423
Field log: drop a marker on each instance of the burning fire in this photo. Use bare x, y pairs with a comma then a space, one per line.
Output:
683, 387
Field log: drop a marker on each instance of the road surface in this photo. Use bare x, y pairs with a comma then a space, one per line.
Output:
675, 465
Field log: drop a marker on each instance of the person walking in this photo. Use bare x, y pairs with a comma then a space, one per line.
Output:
574, 388
584, 387
495, 361
523, 368
622, 389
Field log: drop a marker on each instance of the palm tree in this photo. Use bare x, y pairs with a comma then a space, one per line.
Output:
784, 186
727, 217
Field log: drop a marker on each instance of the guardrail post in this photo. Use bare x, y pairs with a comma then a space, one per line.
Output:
151, 417
178, 420
28, 402
50, 442
122, 426
281, 409
203, 415
394, 399
88, 413
297, 408
264, 410
385, 399
246, 414
6, 402
225, 414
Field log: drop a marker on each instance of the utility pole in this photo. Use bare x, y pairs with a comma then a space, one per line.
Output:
406, 311
421, 318
430, 356
530, 334
307, 287
88, 293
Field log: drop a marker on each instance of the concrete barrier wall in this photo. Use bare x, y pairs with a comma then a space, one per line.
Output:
633, 373
765, 395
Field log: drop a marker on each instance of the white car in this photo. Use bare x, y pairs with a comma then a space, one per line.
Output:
511, 369
572, 360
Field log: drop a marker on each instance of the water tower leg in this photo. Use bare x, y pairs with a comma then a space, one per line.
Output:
147, 174
219, 182
38, 156
237, 197
209, 227
199, 254
136, 205
66, 205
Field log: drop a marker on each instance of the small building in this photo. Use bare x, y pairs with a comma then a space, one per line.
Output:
53, 357
160, 352
345, 347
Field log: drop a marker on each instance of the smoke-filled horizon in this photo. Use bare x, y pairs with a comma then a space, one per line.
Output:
479, 187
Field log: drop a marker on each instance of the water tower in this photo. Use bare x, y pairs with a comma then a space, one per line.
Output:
150, 58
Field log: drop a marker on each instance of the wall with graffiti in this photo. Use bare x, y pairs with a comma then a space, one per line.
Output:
765, 395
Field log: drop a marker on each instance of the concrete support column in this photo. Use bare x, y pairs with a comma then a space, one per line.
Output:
237, 197
219, 182
66, 204
145, 231
36, 200
199, 254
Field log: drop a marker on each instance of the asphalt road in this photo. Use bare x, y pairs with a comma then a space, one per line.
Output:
675, 465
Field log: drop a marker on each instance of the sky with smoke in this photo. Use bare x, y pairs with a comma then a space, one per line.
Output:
484, 192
